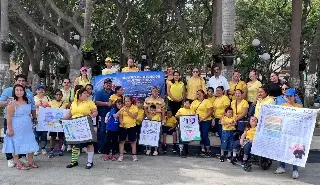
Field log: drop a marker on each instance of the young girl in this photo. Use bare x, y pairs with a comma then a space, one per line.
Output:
139, 104
245, 141
152, 115
118, 94
169, 128
57, 103
112, 128
185, 111
227, 138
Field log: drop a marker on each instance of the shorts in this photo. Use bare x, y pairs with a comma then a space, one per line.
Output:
130, 132
165, 130
56, 134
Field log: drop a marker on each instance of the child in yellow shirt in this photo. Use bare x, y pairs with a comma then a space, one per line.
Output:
153, 116
227, 139
245, 141
140, 117
185, 111
169, 128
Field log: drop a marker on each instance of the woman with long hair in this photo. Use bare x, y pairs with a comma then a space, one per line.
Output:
253, 86
20, 138
219, 106
263, 98
176, 92
195, 83
240, 109
204, 108
275, 85
89, 88
83, 79
118, 95
80, 107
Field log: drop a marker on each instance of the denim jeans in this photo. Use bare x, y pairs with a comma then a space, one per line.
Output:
251, 109
294, 167
9, 155
204, 132
101, 133
41, 138
246, 147
218, 126
227, 140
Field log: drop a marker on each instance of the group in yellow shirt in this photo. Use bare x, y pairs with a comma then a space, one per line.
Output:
130, 69
238, 109
60, 105
193, 85
219, 105
253, 88
234, 86
260, 102
127, 120
176, 90
82, 109
201, 108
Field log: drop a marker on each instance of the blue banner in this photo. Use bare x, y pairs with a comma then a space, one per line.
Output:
135, 84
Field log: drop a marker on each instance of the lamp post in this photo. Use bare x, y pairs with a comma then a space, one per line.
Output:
260, 51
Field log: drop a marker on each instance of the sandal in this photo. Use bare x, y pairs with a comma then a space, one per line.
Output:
18, 167
33, 165
72, 164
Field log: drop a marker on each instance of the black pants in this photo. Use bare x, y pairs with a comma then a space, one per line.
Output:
8, 155
174, 106
112, 142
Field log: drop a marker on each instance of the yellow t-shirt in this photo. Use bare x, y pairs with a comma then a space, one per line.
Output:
171, 122
219, 105
212, 99
127, 121
193, 85
140, 116
234, 86
176, 89
239, 109
128, 69
156, 117
253, 88
201, 108
59, 105
113, 98
185, 112
266, 100
225, 121
82, 109
294, 105
68, 96
83, 82
251, 133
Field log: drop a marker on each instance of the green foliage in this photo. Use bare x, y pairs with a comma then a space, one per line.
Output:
87, 46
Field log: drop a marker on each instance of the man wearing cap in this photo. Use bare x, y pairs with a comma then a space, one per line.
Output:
5, 99
131, 66
109, 68
103, 105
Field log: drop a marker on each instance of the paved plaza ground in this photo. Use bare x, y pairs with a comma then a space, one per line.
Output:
151, 170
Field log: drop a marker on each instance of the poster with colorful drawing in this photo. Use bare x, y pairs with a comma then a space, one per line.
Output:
189, 128
150, 133
48, 119
79, 130
284, 134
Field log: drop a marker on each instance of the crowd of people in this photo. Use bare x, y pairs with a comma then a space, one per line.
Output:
223, 107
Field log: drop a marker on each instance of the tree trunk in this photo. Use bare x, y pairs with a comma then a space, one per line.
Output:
75, 64
312, 70
295, 43
25, 65
87, 20
4, 56
228, 31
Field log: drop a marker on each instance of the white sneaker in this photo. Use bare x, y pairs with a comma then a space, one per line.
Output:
69, 148
295, 174
44, 151
148, 152
280, 170
84, 150
155, 153
24, 160
36, 153
11, 163
63, 148
120, 159
134, 158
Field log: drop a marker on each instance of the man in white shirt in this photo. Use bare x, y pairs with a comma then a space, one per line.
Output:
109, 68
218, 80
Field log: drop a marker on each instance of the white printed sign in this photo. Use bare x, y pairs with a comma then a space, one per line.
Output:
150, 133
189, 128
284, 134
79, 130
48, 119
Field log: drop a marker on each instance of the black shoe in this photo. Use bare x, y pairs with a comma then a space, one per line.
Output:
202, 153
89, 165
72, 164
222, 158
233, 160
208, 154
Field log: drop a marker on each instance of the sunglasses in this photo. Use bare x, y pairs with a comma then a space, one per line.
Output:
147, 68
84, 71
285, 89
289, 96
58, 94
195, 71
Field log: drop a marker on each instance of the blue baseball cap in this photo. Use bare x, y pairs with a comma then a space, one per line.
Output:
290, 92
40, 87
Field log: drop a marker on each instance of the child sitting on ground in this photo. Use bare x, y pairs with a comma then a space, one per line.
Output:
227, 137
245, 141
169, 128
153, 116
185, 111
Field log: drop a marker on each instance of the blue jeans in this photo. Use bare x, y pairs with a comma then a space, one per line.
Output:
101, 133
41, 138
294, 167
218, 126
227, 140
242, 124
204, 132
246, 147
251, 109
